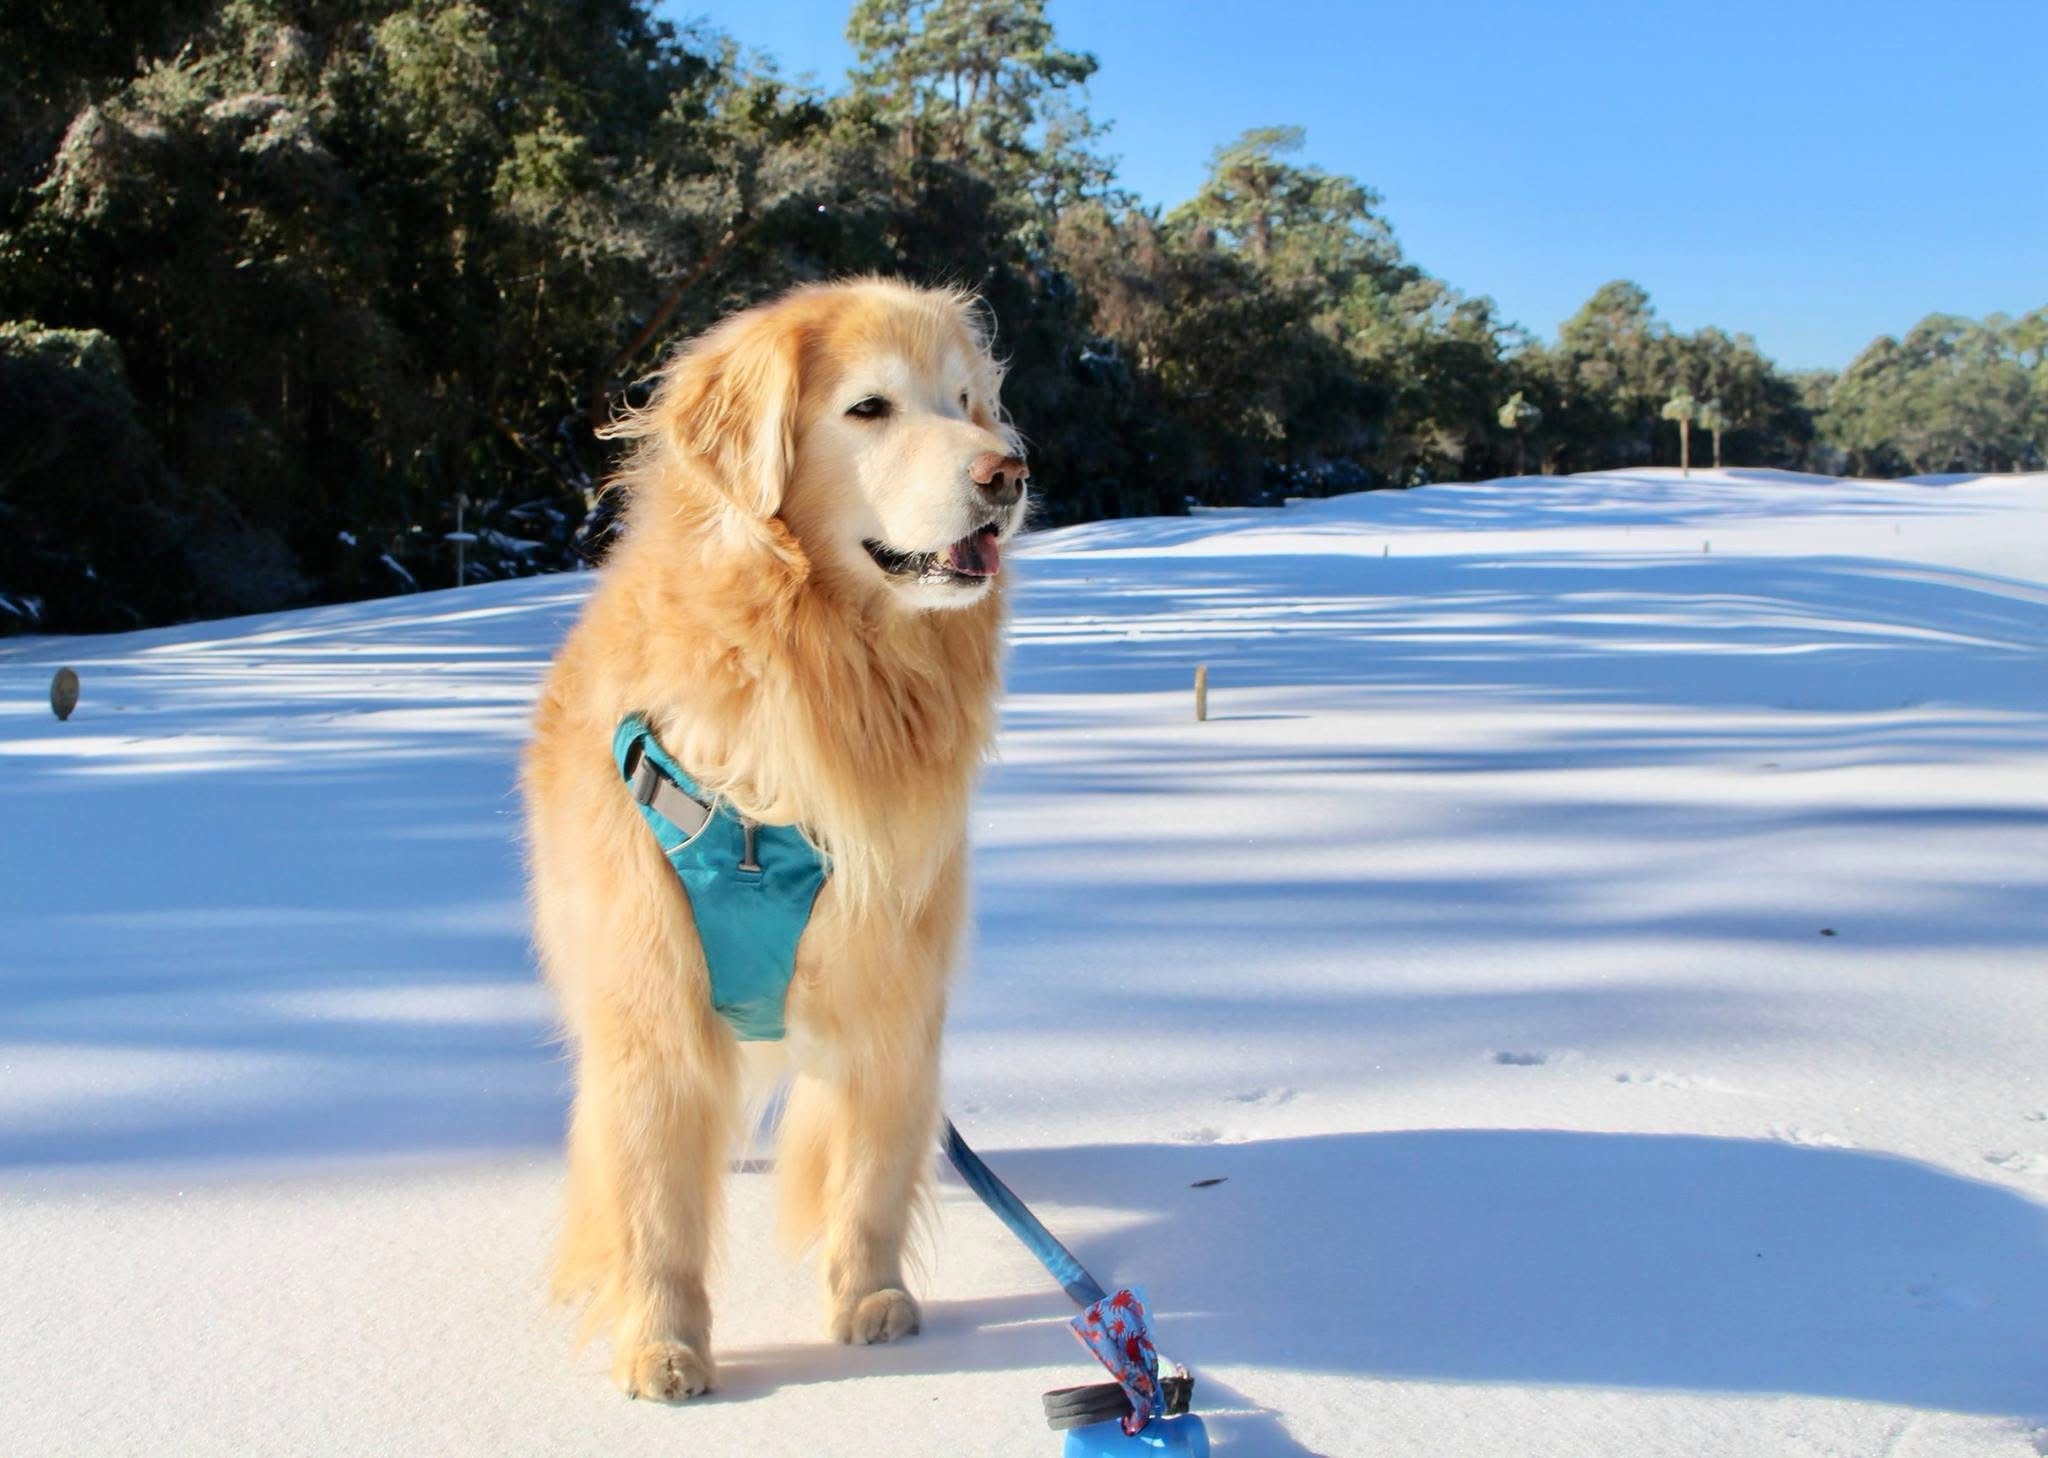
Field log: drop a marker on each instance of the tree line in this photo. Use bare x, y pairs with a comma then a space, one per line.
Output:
290, 288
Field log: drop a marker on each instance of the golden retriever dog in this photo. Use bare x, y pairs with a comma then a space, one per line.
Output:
807, 606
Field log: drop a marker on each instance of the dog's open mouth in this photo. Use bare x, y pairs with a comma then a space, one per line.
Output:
974, 558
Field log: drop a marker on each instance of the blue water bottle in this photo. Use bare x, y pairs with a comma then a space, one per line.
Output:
1166, 1437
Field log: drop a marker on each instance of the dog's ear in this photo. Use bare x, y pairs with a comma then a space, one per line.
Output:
728, 405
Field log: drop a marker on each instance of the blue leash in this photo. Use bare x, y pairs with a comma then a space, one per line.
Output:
1096, 1409
1013, 1212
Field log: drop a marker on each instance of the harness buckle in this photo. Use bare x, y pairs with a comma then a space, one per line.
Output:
652, 789
642, 778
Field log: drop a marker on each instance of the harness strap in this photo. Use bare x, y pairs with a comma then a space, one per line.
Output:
750, 886
661, 794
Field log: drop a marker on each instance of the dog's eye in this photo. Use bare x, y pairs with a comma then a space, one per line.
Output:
874, 407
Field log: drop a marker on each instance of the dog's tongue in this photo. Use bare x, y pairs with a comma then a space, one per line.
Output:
976, 556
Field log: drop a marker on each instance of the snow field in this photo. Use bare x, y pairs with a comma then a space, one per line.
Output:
1597, 941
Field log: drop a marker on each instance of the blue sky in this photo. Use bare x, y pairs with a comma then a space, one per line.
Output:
1815, 173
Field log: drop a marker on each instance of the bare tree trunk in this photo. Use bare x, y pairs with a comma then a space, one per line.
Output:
1684, 447
1518, 452
1717, 447
593, 408
959, 122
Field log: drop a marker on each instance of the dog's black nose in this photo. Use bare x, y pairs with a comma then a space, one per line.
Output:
1000, 477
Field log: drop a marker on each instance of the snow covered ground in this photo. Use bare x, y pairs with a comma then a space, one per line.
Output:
1599, 940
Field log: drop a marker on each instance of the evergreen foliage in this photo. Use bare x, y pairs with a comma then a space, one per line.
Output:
288, 278
1954, 395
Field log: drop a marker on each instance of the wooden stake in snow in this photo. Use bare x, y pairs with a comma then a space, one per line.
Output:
1201, 692
64, 693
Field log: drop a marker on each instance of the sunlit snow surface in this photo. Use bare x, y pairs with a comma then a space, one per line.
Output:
1600, 940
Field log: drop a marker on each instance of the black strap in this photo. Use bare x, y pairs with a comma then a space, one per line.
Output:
1101, 1402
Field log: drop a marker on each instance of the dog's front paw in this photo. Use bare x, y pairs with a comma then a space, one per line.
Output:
880, 1316
663, 1371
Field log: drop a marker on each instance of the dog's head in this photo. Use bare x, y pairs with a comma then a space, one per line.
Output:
865, 416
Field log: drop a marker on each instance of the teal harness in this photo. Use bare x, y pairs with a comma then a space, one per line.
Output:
751, 886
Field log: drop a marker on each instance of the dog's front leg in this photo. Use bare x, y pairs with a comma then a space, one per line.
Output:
647, 1149
862, 1141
